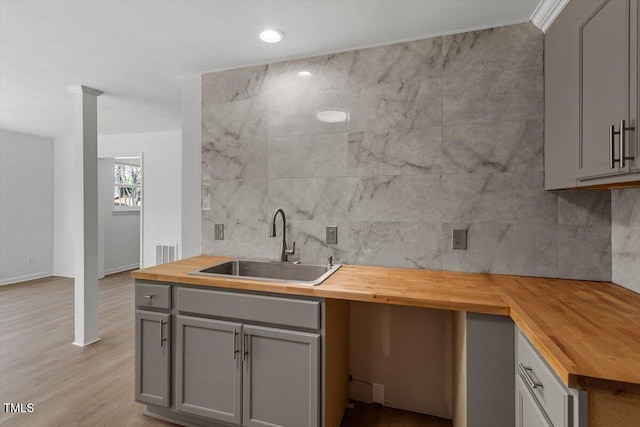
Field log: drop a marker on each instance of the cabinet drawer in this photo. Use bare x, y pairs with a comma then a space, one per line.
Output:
550, 393
250, 308
153, 296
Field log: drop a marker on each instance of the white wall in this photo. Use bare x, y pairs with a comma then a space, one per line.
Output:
120, 244
161, 152
26, 206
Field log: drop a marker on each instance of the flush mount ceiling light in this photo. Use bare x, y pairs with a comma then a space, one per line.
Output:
271, 36
305, 74
332, 116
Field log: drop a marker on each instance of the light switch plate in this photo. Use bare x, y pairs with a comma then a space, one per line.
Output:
460, 240
219, 232
332, 235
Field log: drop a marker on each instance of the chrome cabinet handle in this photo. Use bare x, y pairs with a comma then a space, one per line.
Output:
246, 346
235, 344
612, 147
148, 296
623, 142
162, 338
525, 373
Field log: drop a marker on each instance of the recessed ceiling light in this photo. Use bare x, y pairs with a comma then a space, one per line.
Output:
271, 36
305, 74
332, 116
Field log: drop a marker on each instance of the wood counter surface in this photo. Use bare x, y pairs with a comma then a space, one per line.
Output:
589, 332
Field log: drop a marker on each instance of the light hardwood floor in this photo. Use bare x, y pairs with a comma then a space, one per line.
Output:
93, 386
68, 385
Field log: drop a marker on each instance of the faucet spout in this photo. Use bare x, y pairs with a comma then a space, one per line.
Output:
284, 252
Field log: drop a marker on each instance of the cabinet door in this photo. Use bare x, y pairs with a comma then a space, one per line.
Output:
153, 348
605, 89
528, 413
208, 368
634, 137
281, 378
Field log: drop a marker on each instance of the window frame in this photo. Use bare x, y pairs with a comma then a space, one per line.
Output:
121, 208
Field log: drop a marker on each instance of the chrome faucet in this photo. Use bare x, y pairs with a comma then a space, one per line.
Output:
284, 252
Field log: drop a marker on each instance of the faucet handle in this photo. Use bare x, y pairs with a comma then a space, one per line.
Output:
291, 251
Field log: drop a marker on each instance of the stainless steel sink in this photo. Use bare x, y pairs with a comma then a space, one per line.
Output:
270, 271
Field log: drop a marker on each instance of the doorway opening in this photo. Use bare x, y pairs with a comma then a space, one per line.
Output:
120, 213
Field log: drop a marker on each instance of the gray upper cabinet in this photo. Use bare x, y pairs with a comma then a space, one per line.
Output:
281, 378
208, 368
591, 88
153, 348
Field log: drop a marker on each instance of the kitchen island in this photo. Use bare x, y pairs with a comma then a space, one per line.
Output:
586, 332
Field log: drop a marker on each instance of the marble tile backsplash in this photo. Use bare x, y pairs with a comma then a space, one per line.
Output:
442, 133
625, 238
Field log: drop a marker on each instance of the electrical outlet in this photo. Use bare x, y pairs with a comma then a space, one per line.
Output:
378, 393
31, 259
219, 232
332, 235
460, 239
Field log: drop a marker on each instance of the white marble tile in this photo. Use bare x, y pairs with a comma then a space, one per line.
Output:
244, 199
235, 121
626, 207
401, 62
310, 198
625, 248
235, 159
329, 73
244, 238
395, 244
394, 105
522, 249
399, 198
232, 85
308, 156
494, 96
291, 115
584, 252
504, 198
310, 241
511, 146
502, 48
395, 152
580, 207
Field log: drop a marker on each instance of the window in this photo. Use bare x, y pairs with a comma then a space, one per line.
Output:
127, 190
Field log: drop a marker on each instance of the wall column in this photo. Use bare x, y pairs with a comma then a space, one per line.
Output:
85, 208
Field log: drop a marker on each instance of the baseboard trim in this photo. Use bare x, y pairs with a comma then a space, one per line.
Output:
26, 277
121, 269
86, 344
67, 275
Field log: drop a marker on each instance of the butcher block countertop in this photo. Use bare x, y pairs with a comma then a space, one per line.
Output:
589, 332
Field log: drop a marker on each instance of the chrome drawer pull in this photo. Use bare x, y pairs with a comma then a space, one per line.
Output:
235, 344
527, 377
623, 142
148, 296
162, 338
612, 147
246, 346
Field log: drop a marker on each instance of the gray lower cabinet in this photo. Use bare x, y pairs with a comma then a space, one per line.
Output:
281, 384
237, 358
208, 368
541, 398
153, 350
528, 413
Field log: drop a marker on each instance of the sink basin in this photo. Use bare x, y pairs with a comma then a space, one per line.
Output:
270, 271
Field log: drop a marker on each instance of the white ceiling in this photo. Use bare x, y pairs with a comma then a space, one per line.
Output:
136, 50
